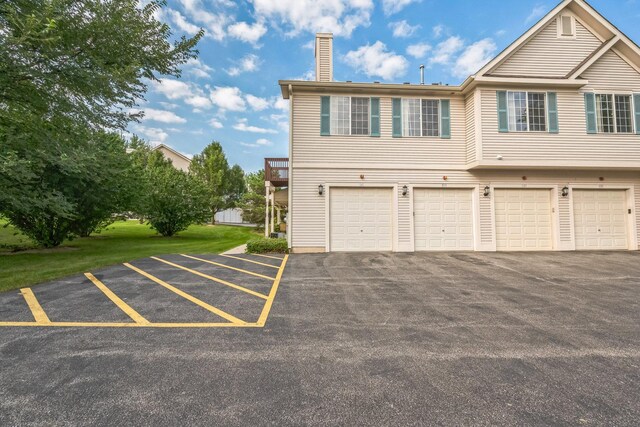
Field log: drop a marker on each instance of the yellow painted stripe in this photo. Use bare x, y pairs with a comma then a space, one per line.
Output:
215, 279
268, 256
128, 325
250, 260
186, 296
262, 320
117, 301
35, 307
229, 267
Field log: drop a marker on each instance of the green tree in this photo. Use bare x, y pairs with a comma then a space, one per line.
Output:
91, 194
68, 70
225, 185
175, 201
252, 202
236, 186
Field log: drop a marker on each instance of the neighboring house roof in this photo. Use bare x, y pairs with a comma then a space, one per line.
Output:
166, 147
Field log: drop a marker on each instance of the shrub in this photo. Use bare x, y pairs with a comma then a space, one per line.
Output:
267, 246
175, 201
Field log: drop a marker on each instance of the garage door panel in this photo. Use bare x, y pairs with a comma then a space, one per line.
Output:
361, 219
443, 219
523, 219
600, 219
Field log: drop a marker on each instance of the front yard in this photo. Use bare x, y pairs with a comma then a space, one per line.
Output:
122, 242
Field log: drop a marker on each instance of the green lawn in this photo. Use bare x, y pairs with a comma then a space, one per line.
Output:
122, 242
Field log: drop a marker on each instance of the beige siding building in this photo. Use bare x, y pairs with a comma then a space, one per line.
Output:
539, 150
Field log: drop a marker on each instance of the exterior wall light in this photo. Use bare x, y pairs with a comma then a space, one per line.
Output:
487, 191
565, 192
405, 190
320, 190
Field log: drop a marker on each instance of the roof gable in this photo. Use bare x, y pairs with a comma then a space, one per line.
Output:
547, 55
589, 18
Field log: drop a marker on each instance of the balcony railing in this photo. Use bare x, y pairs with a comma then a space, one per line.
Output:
276, 171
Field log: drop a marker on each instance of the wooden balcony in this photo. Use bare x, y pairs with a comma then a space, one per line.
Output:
276, 171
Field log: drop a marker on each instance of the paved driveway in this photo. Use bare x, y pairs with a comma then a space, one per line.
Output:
453, 339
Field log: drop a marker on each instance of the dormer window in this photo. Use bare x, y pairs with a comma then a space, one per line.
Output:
566, 26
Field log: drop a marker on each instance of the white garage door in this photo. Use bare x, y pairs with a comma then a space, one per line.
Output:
600, 219
361, 219
523, 220
443, 219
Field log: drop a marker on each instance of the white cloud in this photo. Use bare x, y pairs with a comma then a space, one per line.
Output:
282, 120
438, 30
474, 57
418, 50
172, 89
279, 103
262, 142
247, 64
198, 101
376, 60
154, 135
247, 32
168, 105
180, 21
340, 17
178, 90
445, 51
256, 103
403, 28
198, 68
242, 126
216, 124
160, 116
228, 98
394, 6
536, 13
214, 23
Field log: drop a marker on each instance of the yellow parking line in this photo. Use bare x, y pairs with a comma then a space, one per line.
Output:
185, 295
268, 256
250, 260
35, 307
229, 267
262, 320
117, 301
129, 325
215, 279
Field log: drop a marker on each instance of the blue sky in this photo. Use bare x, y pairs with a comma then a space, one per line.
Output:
230, 94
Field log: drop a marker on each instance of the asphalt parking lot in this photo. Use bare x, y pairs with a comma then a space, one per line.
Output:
350, 339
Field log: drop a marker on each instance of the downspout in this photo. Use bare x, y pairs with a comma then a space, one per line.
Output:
289, 190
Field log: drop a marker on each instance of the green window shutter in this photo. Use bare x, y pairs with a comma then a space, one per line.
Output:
552, 101
325, 116
503, 115
590, 108
636, 104
375, 116
445, 119
397, 117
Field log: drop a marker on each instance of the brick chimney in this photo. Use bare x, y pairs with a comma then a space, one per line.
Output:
324, 57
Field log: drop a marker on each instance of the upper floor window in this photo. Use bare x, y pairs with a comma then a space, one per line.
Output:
421, 117
349, 115
527, 111
614, 113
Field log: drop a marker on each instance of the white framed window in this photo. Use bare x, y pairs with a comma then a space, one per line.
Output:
420, 117
614, 113
566, 26
527, 111
350, 115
